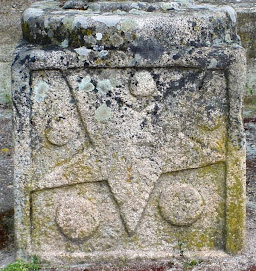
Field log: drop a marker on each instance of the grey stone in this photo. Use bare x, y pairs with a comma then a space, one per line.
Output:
10, 33
6, 161
82, 27
5, 83
246, 28
114, 137
6, 258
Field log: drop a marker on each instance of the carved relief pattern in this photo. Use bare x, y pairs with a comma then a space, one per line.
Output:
126, 127
181, 204
79, 220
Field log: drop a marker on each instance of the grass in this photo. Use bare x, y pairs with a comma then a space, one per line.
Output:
250, 90
8, 99
192, 263
21, 265
180, 246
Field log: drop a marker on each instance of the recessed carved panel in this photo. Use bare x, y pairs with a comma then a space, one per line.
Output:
127, 126
187, 206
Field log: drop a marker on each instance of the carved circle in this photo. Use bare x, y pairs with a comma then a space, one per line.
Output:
181, 205
59, 133
142, 84
77, 218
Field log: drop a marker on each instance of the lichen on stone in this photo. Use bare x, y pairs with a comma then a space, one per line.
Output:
86, 84
103, 113
40, 91
104, 86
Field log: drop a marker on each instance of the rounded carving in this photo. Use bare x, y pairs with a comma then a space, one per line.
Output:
142, 84
181, 204
59, 133
77, 218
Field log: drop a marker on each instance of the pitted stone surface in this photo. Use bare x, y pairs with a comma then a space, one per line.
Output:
181, 205
77, 221
59, 133
142, 84
129, 24
109, 129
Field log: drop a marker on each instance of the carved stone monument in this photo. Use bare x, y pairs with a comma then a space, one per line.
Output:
128, 132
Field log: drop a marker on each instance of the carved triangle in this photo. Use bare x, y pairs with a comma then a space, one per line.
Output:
131, 188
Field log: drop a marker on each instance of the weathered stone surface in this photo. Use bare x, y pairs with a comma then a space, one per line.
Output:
5, 83
246, 28
10, 33
246, 22
122, 25
111, 142
6, 161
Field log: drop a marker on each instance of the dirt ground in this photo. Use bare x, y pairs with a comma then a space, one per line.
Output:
244, 262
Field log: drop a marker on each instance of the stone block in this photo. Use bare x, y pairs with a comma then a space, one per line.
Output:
128, 131
6, 161
251, 79
6, 52
5, 83
246, 28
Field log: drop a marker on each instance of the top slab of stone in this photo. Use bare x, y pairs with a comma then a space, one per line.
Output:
122, 25
247, 6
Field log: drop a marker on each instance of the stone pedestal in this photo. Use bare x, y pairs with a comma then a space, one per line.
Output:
129, 142
246, 28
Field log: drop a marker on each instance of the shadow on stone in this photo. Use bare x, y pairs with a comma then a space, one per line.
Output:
6, 228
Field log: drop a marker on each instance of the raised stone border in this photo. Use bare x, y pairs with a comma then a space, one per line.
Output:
32, 59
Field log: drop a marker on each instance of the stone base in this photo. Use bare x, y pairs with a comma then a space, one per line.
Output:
129, 144
72, 202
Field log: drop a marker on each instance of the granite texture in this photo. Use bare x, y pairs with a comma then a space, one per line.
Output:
246, 29
6, 161
128, 146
